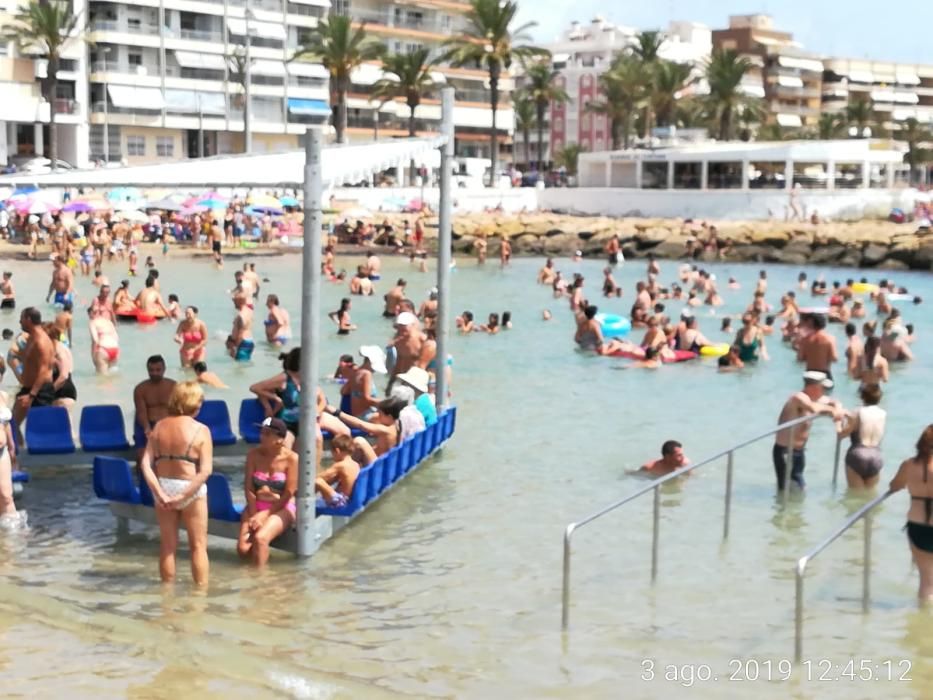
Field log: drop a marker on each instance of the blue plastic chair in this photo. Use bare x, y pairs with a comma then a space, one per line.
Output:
251, 413
101, 429
405, 459
418, 447
346, 403
220, 500
216, 417
433, 438
20, 477
113, 480
145, 495
48, 431
378, 479
358, 497
139, 436
393, 471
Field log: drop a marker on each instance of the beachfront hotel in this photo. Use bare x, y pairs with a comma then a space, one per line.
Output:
158, 81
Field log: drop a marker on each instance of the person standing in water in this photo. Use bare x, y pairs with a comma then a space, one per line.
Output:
240, 344
8, 293
866, 428
914, 475
278, 328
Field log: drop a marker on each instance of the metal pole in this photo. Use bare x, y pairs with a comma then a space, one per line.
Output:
106, 119
445, 220
798, 612
247, 89
725, 525
200, 128
310, 337
836, 461
788, 465
565, 594
655, 534
866, 565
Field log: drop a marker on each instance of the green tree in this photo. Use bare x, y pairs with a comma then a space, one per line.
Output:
544, 91
624, 91
915, 135
524, 110
43, 28
340, 49
408, 76
568, 157
830, 126
493, 42
647, 50
859, 114
669, 80
690, 113
724, 72
236, 73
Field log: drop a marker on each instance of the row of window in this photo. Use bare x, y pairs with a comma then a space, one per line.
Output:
136, 146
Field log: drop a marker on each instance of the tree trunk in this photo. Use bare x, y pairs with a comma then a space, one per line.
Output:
493, 136
541, 107
526, 136
626, 129
51, 83
411, 132
341, 124
725, 124
614, 128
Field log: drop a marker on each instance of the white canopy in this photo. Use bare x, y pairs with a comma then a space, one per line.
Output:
341, 164
135, 97
265, 30
204, 61
308, 70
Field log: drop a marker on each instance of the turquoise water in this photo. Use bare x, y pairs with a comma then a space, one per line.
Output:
450, 587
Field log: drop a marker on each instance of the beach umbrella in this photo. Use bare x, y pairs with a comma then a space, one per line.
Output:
25, 189
264, 201
133, 215
34, 207
78, 207
212, 203
165, 204
124, 194
289, 202
95, 201
272, 211
356, 213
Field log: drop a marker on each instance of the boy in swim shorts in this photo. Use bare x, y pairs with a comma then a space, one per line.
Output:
335, 484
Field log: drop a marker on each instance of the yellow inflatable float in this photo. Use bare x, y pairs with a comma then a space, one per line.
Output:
717, 350
864, 288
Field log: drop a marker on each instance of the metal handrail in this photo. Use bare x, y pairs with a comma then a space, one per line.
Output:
802, 563
657, 483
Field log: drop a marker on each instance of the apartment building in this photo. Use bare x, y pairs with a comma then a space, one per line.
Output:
581, 55
25, 115
788, 78
405, 26
896, 91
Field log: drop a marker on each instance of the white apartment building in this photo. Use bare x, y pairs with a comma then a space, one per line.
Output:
897, 91
581, 55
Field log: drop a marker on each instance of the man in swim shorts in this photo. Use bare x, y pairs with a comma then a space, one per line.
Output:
240, 342
62, 284
8, 294
151, 400
817, 349
812, 400
392, 299
672, 459
38, 358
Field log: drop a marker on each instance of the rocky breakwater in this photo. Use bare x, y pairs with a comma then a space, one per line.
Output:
870, 244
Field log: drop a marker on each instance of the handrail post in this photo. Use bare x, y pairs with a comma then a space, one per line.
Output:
565, 594
866, 565
655, 534
836, 461
798, 611
788, 464
725, 524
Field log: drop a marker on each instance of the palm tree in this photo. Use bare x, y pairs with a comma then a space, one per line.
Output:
43, 28
670, 79
690, 113
408, 76
916, 155
544, 91
647, 50
859, 114
524, 109
724, 72
568, 157
624, 91
340, 49
236, 73
491, 41
830, 126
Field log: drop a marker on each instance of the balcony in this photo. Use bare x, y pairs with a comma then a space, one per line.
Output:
433, 25
205, 35
64, 105
124, 27
144, 69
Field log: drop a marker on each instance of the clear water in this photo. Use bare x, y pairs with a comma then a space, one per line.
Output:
450, 587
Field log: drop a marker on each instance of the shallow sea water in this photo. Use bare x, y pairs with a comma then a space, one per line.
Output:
450, 586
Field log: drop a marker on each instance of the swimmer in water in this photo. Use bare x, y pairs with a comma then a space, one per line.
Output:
465, 323
589, 335
491, 326
342, 318
546, 315
547, 274
207, 377
672, 459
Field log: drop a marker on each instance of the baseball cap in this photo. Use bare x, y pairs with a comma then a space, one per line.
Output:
406, 318
276, 425
812, 376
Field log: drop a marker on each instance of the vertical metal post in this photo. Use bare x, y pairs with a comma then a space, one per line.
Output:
788, 465
655, 534
247, 89
106, 52
565, 591
445, 221
310, 337
866, 565
798, 612
725, 525
836, 461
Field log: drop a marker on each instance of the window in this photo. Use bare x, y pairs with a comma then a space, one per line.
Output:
654, 175
687, 176
340, 7
165, 146
135, 58
813, 176
848, 176
767, 175
724, 175
135, 145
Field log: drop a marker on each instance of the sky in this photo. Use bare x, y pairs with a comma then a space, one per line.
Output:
898, 30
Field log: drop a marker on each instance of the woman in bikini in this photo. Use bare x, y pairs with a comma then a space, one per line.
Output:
278, 329
360, 386
123, 303
914, 475
192, 336
384, 426
105, 343
8, 513
342, 318
270, 485
872, 367
176, 465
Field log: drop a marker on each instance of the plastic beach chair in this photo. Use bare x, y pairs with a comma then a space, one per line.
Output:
113, 480
251, 414
220, 500
102, 430
48, 431
216, 417
357, 497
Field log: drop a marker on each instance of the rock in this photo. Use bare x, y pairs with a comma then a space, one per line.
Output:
529, 243
564, 243
585, 235
873, 254
892, 264
769, 237
923, 259
824, 254
463, 244
674, 247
